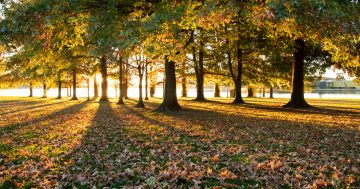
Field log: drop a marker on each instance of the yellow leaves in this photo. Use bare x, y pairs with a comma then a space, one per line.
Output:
209, 171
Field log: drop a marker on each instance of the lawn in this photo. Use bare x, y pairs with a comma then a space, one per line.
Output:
48, 143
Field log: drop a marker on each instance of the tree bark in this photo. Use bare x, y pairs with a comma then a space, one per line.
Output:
31, 89
70, 90
297, 95
104, 82
96, 89
199, 72
146, 81
251, 92
121, 96
216, 90
74, 84
125, 84
152, 83
140, 103
271, 92
44, 90
183, 80
59, 86
170, 102
237, 79
263, 92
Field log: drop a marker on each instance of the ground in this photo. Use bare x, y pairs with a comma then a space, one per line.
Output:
48, 143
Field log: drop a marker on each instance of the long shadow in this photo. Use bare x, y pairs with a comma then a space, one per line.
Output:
17, 102
313, 110
67, 111
32, 107
107, 130
104, 136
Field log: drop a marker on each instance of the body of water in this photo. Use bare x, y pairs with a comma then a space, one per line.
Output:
134, 92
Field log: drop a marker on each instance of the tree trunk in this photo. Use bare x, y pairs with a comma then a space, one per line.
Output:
251, 92
104, 82
297, 95
170, 102
125, 85
96, 89
67, 91
88, 89
121, 87
59, 86
74, 85
152, 83
199, 72
44, 91
140, 103
70, 90
232, 92
238, 79
146, 82
31, 89
216, 90
263, 92
271, 92
183, 80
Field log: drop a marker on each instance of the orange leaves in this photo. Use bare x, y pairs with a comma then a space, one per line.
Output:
226, 174
206, 146
215, 158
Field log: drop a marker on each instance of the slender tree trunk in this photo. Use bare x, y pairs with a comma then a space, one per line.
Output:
238, 80
183, 87
115, 87
251, 92
232, 92
67, 91
88, 89
140, 103
170, 102
121, 85
199, 72
74, 84
44, 90
146, 81
263, 92
271, 92
297, 95
31, 89
70, 90
152, 82
183, 80
59, 86
125, 85
104, 82
216, 90
96, 89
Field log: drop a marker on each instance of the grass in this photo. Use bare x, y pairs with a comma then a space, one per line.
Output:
48, 143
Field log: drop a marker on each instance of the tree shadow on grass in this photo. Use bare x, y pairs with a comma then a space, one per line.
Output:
32, 107
313, 110
263, 137
17, 102
110, 146
66, 111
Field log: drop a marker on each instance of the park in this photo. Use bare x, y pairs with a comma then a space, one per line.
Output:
179, 94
